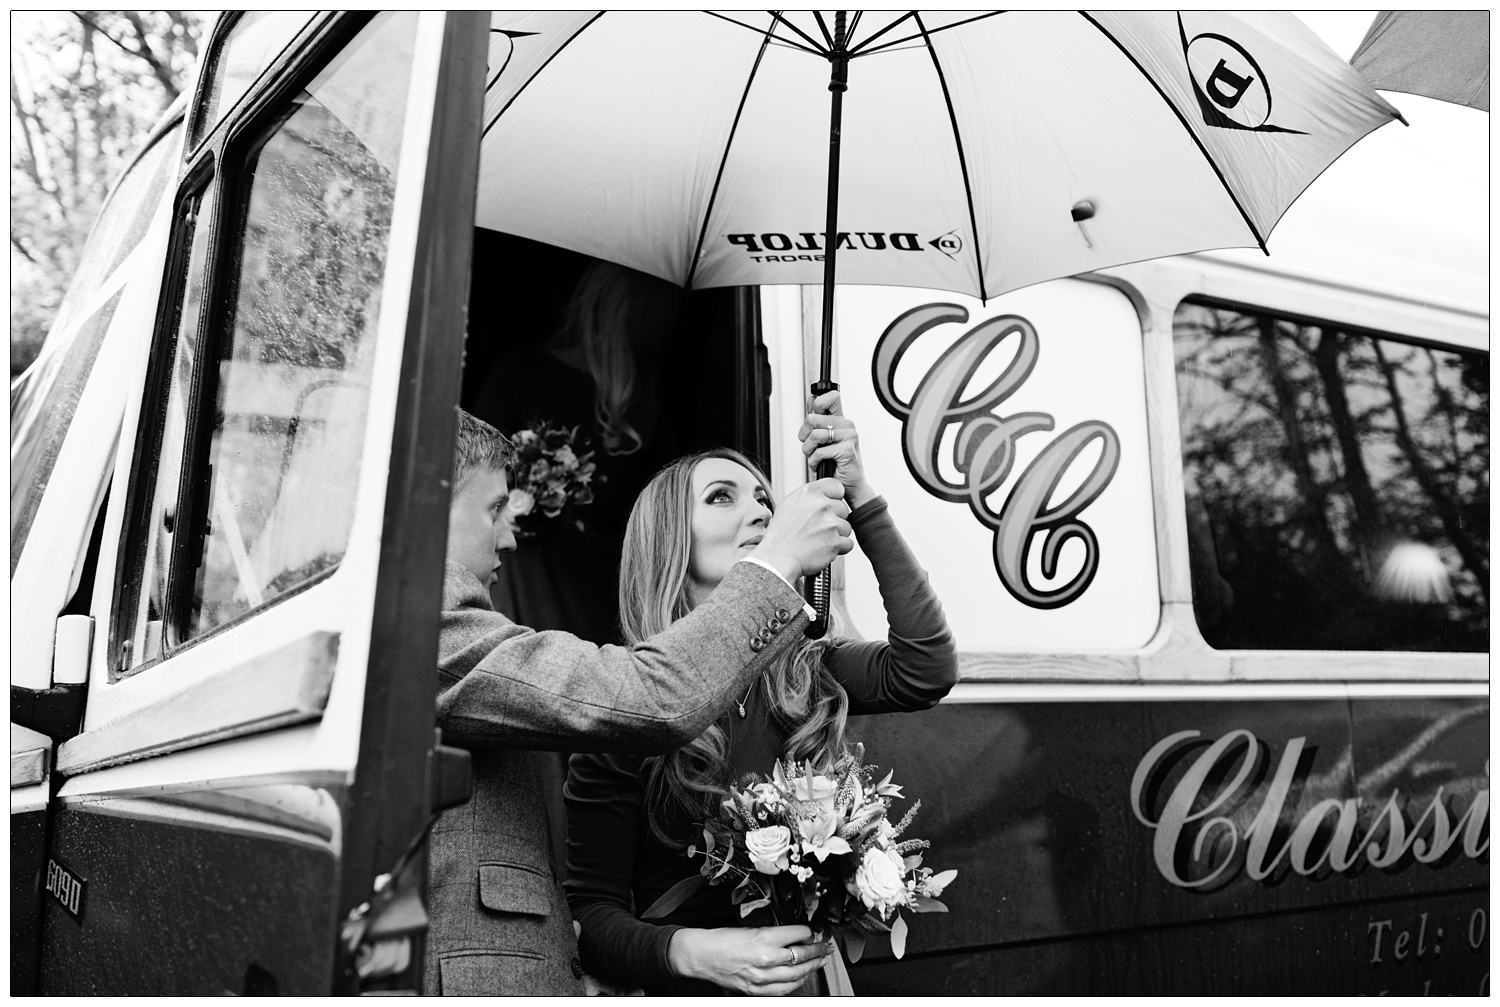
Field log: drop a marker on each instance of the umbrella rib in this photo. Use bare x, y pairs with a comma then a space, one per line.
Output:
804, 35
857, 49
760, 31
523, 87
724, 158
853, 24
1255, 231
881, 48
823, 27
963, 163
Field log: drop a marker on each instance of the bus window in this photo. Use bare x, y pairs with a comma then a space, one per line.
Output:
122, 223
1337, 485
263, 499
250, 46
42, 407
141, 640
43, 400
278, 493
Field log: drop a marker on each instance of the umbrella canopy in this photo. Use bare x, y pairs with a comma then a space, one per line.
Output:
981, 152
1441, 54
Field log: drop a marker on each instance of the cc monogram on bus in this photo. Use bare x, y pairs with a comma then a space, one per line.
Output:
984, 450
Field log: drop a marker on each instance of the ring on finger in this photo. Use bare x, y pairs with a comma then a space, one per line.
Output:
795, 958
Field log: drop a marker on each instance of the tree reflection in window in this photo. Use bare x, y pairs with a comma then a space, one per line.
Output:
1337, 486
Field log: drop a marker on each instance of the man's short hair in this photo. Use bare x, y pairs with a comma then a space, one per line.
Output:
478, 447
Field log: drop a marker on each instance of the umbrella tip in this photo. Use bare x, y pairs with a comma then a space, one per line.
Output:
1082, 210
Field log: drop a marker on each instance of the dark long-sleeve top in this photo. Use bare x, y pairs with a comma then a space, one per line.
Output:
617, 868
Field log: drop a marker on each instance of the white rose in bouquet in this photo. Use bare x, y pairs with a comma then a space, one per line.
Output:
769, 848
520, 503
880, 881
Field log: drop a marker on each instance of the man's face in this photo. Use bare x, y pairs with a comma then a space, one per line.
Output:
478, 527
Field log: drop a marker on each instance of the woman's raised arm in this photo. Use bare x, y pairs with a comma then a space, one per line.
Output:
917, 664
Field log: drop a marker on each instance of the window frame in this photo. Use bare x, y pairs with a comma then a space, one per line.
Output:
146, 458
1177, 660
219, 161
313, 34
1178, 655
1276, 314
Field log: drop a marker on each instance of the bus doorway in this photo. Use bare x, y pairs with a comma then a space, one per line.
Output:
601, 375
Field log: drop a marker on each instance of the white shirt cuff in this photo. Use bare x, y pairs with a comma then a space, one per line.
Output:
811, 612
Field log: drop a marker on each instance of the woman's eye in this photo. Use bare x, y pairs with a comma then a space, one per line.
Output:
718, 495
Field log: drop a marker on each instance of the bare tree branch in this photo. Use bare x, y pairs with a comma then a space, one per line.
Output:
31, 165
142, 51
162, 71
77, 114
1447, 508
26, 119
1295, 448
15, 243
88, 22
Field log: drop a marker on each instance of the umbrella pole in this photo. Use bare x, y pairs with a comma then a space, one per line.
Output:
838, 83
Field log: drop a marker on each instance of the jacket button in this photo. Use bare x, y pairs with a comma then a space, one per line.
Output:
775, 624
783, 615
766, 636
577, 969
757, 644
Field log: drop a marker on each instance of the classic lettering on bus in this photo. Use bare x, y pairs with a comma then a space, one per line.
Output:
1196, 847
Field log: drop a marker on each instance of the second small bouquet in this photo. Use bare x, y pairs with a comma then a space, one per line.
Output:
818, 849
554, 477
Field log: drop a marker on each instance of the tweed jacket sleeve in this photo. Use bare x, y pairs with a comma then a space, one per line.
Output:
503, 685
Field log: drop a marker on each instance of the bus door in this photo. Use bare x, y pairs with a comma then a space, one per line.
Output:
243, 808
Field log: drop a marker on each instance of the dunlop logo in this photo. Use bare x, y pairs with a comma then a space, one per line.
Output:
67, 888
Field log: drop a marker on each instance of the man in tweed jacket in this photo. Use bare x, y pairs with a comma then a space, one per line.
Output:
499, 919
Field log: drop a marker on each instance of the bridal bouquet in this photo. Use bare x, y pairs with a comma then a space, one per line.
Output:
818, 850
553, 478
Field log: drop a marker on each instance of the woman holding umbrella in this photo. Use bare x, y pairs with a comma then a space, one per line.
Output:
630, 818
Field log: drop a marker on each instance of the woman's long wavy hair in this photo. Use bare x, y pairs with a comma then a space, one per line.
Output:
687, 785
612, 312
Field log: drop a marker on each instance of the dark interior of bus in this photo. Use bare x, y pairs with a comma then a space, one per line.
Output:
697, 378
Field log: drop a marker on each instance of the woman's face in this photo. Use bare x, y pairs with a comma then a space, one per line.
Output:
730, 511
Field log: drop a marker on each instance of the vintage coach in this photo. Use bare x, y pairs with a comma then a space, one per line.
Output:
1212, 533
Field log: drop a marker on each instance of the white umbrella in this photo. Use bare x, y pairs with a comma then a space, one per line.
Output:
981, 151
693, 146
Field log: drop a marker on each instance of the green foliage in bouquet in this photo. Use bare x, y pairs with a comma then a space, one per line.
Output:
818, 850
